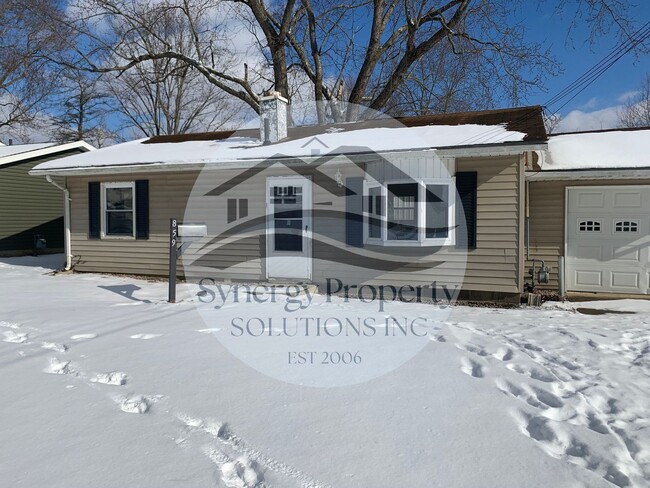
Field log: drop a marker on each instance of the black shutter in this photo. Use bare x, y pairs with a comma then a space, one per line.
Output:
142, 209
354, 211
94, 209
466, 185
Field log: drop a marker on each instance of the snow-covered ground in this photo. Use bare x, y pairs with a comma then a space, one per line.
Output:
106, 385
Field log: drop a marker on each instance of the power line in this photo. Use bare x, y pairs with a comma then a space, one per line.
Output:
578, 85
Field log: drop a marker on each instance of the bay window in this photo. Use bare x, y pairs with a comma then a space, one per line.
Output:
406, 213
402, 221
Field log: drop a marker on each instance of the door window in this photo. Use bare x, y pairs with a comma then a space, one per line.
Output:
287, 218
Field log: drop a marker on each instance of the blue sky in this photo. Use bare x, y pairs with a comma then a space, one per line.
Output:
596, 107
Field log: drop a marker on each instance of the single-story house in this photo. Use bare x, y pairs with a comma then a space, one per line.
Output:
431, 201
589, 211
31, 209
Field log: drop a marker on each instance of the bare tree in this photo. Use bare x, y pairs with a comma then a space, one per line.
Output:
80, 110
361, 52
166, 96
25, 39
636, 112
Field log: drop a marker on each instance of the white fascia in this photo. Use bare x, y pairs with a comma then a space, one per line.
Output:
37, 153
587, 174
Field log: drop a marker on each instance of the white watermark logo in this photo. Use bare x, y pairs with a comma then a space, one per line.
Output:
326, 263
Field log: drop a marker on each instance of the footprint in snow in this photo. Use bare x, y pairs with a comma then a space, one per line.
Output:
503, 354
9, 325
534, 373
509, 388
145, 337
209, 426
471, 368
479, 351
116, 378
53, 346
133, 403
559, 443
15, 337
239, 473
236, 473
82, 337
57, 366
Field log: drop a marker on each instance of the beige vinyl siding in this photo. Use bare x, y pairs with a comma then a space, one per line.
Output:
493, 266
547, 213
168, 196
28, 201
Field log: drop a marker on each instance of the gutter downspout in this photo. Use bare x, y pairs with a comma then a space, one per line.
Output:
66, 222
527, 221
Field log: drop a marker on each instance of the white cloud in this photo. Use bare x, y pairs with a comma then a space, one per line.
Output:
625, 97
591, 104
579, 120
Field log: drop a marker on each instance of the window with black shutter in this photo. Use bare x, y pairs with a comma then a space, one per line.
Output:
354, 211
94, 210
466, 186
142, 209
118, 209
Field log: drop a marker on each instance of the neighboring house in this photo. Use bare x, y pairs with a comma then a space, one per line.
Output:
367, 202
589, 203
31, 209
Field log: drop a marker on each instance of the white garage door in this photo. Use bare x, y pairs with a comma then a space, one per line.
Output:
608, 239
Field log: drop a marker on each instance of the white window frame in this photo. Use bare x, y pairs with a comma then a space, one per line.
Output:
116, 184
367, 186
623, 220
593, 221
422, 240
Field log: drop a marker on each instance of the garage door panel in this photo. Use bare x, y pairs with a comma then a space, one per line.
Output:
627, 199
588, 278
608, 247
625, 280
627, 253
593, 199
591, 253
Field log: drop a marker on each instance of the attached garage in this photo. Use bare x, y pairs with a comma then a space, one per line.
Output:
608, 239
589, 212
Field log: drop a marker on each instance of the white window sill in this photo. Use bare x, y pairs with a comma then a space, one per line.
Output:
405, 243
118, 238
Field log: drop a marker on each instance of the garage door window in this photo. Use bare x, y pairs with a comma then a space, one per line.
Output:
626, 226
589, 225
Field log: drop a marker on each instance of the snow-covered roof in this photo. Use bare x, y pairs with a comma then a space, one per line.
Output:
613, 149
15, 153
22, 148
239, 148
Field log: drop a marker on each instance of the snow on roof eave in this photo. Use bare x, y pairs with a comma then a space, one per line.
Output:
53, 149
507, 148
599, 150
496, 149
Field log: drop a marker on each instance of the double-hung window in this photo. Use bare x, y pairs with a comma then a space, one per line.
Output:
118, 209
416, 212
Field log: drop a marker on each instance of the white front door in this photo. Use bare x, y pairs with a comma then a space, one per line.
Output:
608, 239
288, 227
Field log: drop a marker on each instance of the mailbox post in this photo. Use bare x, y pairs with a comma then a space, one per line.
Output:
173, 257
183, 234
